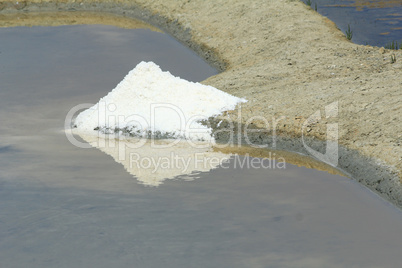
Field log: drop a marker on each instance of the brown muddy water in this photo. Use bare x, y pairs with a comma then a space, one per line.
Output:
63, 206
373, 22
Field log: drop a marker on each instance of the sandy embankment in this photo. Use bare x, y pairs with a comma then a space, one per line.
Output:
289, 61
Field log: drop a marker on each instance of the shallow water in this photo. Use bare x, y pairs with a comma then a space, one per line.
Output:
373, 22
63, 206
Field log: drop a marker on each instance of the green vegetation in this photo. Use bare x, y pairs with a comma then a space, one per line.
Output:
309, 3
349, 33
393, 45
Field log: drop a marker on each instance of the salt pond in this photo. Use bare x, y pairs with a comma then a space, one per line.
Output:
64, 206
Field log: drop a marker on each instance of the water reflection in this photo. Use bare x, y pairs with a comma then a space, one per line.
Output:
152, 162
45, 71
362, 4
71, 18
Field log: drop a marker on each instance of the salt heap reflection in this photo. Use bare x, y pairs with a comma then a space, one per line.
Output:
151, 103
153, 161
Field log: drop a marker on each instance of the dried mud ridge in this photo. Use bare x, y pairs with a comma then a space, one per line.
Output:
290, 63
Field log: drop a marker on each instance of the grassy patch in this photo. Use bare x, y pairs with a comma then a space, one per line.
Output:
349, 33
309, 3
393, 45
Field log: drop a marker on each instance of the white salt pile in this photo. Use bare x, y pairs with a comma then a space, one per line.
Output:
150, 101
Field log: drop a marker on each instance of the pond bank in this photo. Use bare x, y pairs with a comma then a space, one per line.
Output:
289, 62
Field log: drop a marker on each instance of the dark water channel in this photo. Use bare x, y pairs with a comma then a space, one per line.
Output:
63, 206
373, 22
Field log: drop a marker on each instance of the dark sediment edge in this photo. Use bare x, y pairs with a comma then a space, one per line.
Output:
367, 171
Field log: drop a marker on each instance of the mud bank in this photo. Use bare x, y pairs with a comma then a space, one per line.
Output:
290, 63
